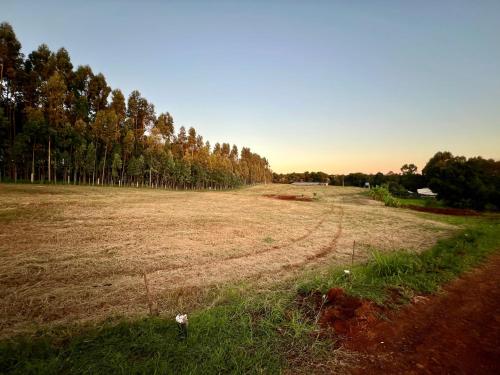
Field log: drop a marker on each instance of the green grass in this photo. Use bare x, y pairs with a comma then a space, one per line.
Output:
268, 240
247, 332
241, 335
413, 273
421, 202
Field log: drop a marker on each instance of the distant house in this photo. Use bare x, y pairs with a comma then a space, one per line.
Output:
297, 183
426, 192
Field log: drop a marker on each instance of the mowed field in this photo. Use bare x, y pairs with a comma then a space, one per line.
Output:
77, 254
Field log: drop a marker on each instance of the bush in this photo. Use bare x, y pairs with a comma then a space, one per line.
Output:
398, 190
381, 193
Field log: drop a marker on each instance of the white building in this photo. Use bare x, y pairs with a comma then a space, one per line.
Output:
426, 192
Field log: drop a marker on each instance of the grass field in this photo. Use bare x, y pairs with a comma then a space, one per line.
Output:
73, 261
72, 254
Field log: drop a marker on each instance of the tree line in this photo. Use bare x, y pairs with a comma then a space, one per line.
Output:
459, 181
60, 124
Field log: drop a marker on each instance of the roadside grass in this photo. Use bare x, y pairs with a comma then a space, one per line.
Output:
421, 202
240, 335
248, 331
412, 273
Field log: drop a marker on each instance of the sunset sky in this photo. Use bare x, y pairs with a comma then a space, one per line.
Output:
341, 86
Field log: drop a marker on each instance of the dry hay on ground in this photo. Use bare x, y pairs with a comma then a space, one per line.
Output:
74, 254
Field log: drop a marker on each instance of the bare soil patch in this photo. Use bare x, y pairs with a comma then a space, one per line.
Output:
300, 198
347, 315
454, 332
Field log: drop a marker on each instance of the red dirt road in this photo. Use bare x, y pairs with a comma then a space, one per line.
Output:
454, 332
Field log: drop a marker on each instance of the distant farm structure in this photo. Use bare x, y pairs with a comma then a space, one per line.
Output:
426, 192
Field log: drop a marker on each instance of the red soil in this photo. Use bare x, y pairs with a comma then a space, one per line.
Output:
454, 332
300, 198
444, 211
347, 315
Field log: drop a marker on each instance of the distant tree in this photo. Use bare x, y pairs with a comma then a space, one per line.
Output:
35, 129
409, 169
116, 166
62, 118
106, 129
90, 160
54, 93
461, 182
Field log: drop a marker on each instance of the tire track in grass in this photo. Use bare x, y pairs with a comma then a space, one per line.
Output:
325, 250
309, 233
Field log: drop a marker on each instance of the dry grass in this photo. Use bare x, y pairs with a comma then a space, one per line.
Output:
73, 254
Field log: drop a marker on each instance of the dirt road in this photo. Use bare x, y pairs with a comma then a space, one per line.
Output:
454, 332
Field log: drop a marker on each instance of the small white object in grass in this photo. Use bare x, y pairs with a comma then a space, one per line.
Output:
181, 319
347, 272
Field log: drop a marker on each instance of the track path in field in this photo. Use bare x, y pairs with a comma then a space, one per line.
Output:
71, 254
287, 244
316, 244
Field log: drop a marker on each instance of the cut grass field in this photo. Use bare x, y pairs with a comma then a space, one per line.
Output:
78, 254
247, 324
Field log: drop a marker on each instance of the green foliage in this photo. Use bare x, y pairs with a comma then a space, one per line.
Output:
50, 102
412, 272
239, 336
422, 202
116, 165
381, 193
465, 183
90, 159
136, 166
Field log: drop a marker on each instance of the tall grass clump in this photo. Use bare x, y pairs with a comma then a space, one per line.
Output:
382, 193
410, 272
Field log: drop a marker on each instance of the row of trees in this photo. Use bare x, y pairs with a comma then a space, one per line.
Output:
458, 181
408, 178
60, 124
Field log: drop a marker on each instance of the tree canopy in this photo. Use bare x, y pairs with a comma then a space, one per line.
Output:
64, 124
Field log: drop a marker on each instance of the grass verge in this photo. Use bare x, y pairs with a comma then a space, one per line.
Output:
247, 332
413, 273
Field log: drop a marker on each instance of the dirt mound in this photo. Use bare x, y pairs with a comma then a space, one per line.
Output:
300, 198
345, 315
444, 211
455, 332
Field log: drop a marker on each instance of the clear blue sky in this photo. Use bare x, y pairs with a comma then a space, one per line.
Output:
338, 86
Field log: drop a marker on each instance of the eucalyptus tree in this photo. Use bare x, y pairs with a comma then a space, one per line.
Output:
71, 115
105, 128
35, 128
54, 91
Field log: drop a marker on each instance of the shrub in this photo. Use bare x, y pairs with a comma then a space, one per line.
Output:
381, 193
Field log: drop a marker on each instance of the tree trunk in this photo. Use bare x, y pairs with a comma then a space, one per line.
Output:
33, 165
48, 164
95, 161
123, 165
104, 164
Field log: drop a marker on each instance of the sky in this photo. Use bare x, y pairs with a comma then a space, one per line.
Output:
337, 86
